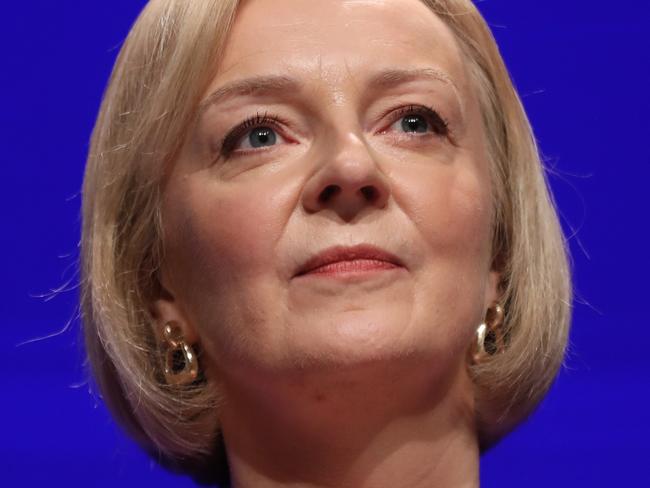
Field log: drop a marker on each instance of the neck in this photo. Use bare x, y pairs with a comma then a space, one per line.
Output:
371, 426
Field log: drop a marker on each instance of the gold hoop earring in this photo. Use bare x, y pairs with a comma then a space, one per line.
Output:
179, 360
489, 335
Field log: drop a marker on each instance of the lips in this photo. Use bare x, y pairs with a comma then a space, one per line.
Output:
341, 253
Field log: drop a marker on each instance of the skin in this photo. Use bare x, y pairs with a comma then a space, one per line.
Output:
336, 382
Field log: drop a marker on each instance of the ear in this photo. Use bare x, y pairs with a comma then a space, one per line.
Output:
492, 290
168, 308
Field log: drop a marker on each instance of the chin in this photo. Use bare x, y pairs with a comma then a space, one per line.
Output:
357, 338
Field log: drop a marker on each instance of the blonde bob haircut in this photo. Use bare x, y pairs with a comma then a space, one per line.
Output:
162, 71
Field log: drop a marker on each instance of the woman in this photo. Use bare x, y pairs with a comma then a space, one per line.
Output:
318, 246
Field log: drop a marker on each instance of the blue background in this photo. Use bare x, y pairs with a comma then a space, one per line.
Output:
583, 71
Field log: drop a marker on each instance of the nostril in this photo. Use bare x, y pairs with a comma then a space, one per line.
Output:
328, 192
369, 192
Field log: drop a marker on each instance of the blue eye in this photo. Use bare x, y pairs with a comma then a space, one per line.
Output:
255, 132
261, 137
414, 123
416, 119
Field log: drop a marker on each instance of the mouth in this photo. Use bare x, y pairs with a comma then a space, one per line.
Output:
342, 259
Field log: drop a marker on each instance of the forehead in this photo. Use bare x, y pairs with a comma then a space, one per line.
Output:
338, 41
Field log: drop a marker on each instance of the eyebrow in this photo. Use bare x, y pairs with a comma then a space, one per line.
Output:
256, 85
273, 84
392, 77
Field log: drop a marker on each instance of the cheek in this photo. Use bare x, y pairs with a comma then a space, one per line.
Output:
452, 210
235, 231
221, 242
229, 232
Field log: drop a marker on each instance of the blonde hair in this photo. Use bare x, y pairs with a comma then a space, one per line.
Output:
164, 67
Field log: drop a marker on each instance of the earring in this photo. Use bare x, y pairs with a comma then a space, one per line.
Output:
179, 360
489, 335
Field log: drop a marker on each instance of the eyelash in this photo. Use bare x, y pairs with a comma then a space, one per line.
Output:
228, 143
438, 123
226, 147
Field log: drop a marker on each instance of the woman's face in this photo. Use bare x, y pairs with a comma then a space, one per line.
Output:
362, 129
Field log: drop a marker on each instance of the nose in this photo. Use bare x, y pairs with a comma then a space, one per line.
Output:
348, 180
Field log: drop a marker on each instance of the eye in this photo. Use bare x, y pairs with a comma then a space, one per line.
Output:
414, 123
252, 134
260, 137
418, 119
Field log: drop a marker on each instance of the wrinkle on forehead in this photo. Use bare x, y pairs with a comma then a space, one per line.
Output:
337, 43
320, 23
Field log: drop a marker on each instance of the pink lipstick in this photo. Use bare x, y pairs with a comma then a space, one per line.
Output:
340, 260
